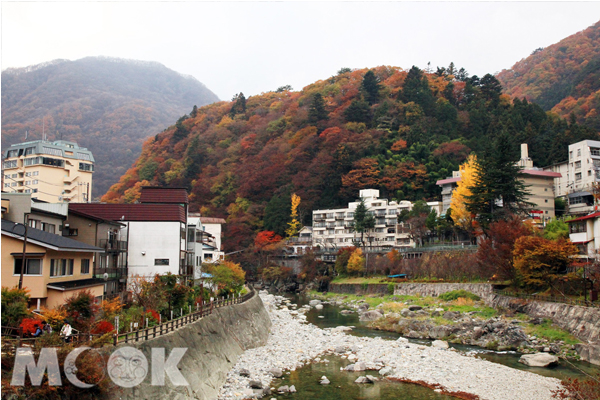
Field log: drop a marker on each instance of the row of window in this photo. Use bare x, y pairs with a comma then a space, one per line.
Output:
58, 267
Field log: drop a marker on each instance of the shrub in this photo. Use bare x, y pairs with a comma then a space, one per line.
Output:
29, 325
81, 310
102, 328
574, 388
55, 317
14, 306
390, 288
455, 294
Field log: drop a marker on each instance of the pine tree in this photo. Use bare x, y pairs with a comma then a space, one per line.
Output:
363, 220
370, 88
416, 89
497, 192
358, 111
239, 107
317, 111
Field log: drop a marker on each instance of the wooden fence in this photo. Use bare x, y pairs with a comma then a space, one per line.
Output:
14, 336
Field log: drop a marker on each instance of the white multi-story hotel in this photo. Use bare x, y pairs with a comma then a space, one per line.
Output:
333, 228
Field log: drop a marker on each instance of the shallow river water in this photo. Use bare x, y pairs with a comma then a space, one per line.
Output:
306, 379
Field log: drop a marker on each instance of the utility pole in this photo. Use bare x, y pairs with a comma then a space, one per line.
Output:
24, 258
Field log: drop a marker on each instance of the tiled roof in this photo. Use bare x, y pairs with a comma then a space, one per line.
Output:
594, 215
132, 212
155, 194
211, 220
46, 239
449, 180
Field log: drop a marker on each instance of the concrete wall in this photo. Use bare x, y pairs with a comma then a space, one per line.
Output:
357, 288
213, 344
149, 241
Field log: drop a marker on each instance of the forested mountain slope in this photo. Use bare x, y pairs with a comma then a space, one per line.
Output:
107, 105
563, 77
396, 130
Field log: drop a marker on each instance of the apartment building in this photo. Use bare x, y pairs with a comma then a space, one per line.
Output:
579, 175
332, 229
58, 171
204, 241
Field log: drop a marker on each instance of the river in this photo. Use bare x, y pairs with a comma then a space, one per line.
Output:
306, 379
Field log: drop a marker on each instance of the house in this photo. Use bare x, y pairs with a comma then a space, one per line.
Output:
213, 227
58, 171
584, 232
155, 235
48, 217
56, 267
111, 236
204, 241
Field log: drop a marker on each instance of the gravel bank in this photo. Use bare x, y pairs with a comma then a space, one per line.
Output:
293, 343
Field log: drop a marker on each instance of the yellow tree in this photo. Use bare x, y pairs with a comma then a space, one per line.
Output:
356, 262
294, 225
468, 176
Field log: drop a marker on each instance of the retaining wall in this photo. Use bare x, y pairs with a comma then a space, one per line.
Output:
213, 344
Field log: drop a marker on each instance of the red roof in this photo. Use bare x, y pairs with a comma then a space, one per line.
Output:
537, 172
449, 180
211, 220
155, 194
132, 212
594, 215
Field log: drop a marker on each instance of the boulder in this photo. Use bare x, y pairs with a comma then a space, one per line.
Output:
255, 384
360, 366
276, 372
340, 350
370, 315
319, 306
324, 380
244, 372
283, 389
539, 360
385, 371
363, 307
314, 302
362, 379
346, 312
414, 307
440, 344
292, 389
451, 315
439, 332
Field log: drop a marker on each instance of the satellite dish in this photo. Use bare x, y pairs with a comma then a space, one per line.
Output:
105, 276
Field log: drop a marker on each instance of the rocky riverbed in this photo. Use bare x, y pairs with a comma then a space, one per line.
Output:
293, 343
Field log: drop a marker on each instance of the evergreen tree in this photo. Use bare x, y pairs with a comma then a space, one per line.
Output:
277, 213
363, 220
194, 112
370, 88
358, 111
497, 192
181, 131
416, 89
239, 107
193, 159
317, 111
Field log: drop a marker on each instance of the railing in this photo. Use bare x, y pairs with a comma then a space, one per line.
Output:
113, 245
12, 335
552, 299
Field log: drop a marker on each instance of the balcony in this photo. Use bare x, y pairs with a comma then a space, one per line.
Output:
112, 273
113, 246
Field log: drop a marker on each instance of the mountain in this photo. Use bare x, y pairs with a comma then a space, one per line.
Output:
564, 77
387, 128
108, 105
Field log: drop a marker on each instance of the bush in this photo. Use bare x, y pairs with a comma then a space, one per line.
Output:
455, 294
390, 288
102, 328
14, 306
29, 326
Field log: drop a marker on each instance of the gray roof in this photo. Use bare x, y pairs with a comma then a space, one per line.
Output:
56, 148
46, 239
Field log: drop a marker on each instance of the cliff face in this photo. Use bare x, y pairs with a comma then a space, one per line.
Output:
213, 345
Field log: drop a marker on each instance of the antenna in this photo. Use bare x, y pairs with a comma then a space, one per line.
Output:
26, 135
44, 128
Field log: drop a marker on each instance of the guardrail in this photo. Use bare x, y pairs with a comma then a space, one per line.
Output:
12, 335
552, 299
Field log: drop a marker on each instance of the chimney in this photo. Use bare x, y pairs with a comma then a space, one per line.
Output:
524, 152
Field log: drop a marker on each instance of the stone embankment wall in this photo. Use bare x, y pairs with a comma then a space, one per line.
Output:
582, 322
483, 290
213, 344
359, 289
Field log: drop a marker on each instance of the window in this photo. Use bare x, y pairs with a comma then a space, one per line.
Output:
12, 153
578, 176
589, 173
46, 227
161, 261
34, 223
86, 167
54, 162
34, 182
29, 150
27, 182
7, 185
34, 266
84, 156
13, 184
70, 231
35, 173
577, 164
85, 266
578, 152
52, 151
61, 267
546, 200
32, 161
570, 155
10, 164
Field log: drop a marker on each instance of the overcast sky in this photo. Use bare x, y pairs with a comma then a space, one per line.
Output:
255, 47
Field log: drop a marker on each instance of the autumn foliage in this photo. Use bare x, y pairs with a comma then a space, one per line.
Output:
29, 325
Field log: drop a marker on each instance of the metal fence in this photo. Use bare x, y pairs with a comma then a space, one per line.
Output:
552, 299
13, 337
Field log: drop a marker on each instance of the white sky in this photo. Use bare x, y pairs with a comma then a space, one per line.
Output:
255, 47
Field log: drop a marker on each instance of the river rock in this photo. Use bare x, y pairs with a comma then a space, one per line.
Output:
439, 332
360, 366
324, 380
451, 315
276, 372
539, 360
414, 307
283, 389
346, 312
319, 306
385, 371
314, 302
255, 384
440, 344
370, 315
363, 307
292, 389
